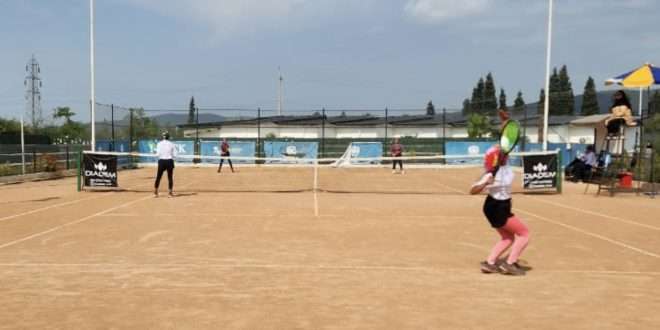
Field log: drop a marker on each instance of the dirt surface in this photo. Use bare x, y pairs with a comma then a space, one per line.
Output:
399, 252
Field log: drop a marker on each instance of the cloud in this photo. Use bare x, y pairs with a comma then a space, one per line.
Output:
224, 15
228, 17
434, 11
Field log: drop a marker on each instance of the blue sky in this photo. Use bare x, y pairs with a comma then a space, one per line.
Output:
333, 53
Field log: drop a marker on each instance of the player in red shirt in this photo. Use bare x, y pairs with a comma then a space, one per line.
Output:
396, 150
224, 152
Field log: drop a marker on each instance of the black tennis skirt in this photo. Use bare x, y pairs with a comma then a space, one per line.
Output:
497, 211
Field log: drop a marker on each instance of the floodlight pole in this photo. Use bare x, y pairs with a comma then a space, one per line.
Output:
546, 102
92, 77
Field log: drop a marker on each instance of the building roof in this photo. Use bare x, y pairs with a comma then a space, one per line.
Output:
454, 119
589, 120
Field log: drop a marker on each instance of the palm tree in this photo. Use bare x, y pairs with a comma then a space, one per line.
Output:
63, 112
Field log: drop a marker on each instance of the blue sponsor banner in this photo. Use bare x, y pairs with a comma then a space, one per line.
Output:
470, 148
290, 151
184, 148
366, 150
236, 149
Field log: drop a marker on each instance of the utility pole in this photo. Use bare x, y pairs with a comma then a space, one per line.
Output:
33, 91
279, 94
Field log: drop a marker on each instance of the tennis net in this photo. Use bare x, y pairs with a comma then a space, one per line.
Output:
440, 174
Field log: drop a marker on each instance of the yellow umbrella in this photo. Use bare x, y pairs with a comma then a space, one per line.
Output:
642, 77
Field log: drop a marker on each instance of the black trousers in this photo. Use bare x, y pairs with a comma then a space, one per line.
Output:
165, 165
228, 161
614, 126
397, 161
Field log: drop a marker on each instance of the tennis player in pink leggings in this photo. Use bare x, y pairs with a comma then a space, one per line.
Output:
497, 208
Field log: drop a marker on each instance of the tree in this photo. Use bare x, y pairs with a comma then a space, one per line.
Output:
467, 107
63, 112
144, 127
430, 109
478, 126
9, 125
503, 100
555, 94
490, 100
590, 99
566, 96
519, 103
191, 111
540, 111
477, 101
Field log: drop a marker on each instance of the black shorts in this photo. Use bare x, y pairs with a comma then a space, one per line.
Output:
497, 211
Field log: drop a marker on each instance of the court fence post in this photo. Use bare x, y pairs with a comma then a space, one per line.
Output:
79, 170
560, 171
66, 148
34, 159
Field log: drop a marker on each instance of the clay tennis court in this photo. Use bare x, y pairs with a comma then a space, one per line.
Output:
257, 249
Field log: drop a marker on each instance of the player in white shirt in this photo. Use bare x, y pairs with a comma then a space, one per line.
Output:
497, 209
166, 152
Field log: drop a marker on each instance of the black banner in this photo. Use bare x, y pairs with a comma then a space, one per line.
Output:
540, 172
99, 170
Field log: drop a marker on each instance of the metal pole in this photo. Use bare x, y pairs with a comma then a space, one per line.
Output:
546, 103
92, 77
524, 141
67, 156
444, 124
196, 159
130, 130
258, 132
34, 159
279, 93
22, 145
112, 122
387, 119
323, 132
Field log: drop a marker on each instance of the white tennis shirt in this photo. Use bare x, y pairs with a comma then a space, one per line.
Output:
501, 187
166, 150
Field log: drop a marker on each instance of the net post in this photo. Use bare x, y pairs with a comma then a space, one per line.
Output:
560, 170
79, 171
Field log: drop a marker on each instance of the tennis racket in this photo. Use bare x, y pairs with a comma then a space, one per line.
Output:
509, 137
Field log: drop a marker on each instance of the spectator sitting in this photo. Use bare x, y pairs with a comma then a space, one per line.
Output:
583, 165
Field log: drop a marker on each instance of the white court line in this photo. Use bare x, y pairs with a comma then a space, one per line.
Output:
80, 220
601, 237
58, 205
316, 204
48, 208
108, 267
596, 214
14, 242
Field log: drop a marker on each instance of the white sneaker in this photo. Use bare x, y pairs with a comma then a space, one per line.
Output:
393, 171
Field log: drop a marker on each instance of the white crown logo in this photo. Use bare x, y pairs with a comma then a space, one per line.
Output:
100, 166
540, 167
